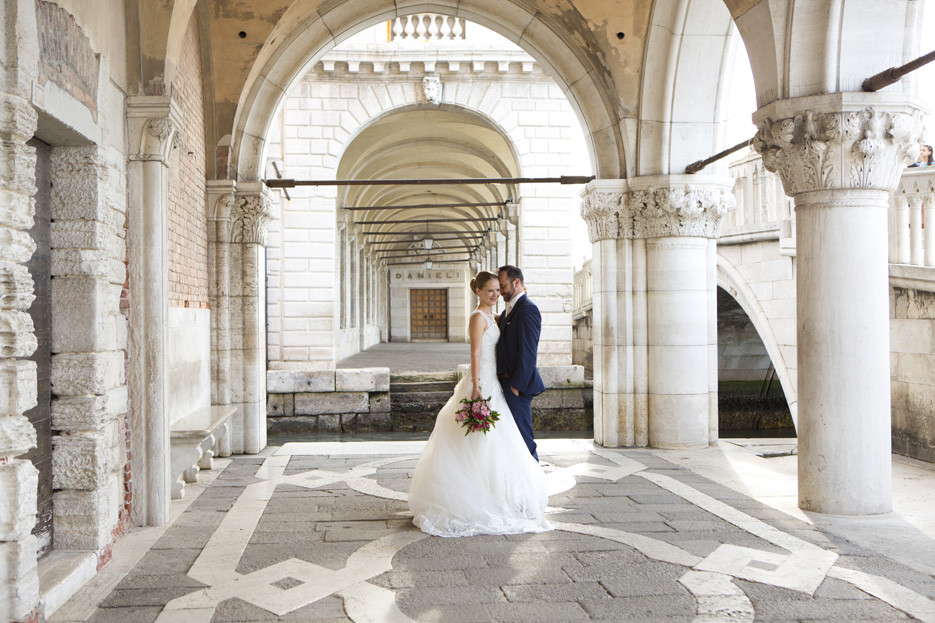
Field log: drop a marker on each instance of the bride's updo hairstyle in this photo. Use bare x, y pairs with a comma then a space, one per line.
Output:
481, 279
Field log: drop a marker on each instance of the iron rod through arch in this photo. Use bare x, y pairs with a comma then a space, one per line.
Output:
466, 219
564, 179
429, 205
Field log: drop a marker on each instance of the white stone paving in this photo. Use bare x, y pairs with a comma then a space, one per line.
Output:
291, 584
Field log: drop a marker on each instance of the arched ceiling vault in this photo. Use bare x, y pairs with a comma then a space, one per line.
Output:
426, 143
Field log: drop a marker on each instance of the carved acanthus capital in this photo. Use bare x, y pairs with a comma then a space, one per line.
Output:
601, 211
865, 147
678, 210
251, 217
153, 126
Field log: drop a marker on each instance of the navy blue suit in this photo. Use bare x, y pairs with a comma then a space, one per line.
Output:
516, 364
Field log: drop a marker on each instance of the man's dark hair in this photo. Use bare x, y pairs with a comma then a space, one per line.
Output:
512, 272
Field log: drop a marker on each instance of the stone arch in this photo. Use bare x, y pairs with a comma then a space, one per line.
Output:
474, 100
809, 48
730, 279
303, 36
677, 76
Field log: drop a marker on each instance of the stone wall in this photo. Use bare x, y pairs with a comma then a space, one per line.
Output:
351, 400
358, 400
912, 365
188, 321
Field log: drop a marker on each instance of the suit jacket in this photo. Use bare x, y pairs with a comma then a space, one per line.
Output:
518, 346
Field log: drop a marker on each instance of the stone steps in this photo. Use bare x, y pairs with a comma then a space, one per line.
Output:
416, 398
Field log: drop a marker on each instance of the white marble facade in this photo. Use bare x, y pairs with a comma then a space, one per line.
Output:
316, 314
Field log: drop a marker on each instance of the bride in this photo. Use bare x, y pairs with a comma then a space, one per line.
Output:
478, 484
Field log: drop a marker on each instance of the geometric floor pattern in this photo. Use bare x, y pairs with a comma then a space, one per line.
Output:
321, 532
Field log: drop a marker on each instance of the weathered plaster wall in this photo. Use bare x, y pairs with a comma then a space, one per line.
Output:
912, 366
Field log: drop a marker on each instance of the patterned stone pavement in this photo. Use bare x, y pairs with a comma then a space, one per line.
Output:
321, 532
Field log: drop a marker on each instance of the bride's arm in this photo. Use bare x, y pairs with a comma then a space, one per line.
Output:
476, 329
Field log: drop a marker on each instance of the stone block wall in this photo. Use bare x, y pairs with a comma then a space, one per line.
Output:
89, 384
351, 400
912, 369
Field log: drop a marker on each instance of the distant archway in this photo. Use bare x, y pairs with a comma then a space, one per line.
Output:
302, 37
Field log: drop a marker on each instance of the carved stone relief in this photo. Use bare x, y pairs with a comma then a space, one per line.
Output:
814, 150
680, 210
252, 214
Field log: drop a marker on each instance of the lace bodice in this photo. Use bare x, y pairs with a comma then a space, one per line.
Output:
488, 358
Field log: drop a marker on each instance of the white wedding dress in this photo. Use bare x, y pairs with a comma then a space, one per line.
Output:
478, 484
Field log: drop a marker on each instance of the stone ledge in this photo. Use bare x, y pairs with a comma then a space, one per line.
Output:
912, 277
61, 575
298, 381
553, 377
331, 403
362, 380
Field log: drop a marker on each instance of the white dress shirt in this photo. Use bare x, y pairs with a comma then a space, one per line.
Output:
512, 302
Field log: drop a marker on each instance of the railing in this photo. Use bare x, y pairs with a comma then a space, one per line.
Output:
581, 290
912, 219
760, 198
427, 26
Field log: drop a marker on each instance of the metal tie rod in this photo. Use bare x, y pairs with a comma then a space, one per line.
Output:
894, 74
469, 219
428, 205
564, 179
463, 234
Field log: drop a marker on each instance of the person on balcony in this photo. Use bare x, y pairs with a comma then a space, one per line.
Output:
925, 157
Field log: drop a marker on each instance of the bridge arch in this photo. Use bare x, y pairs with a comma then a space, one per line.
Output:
730, 279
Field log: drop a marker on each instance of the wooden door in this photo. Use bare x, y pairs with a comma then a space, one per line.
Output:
428, 314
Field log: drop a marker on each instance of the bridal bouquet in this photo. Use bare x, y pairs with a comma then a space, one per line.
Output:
476, 415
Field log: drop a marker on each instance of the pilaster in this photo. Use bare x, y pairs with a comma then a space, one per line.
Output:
840, 156
251, 214
152, 130
220, 205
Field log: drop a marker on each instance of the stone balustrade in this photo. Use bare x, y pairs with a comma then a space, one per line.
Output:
427, 26
581, 290
912, 216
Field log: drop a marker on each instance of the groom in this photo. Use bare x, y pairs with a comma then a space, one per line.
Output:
519, 324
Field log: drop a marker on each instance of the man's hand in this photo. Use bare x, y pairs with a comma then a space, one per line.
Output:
514, 390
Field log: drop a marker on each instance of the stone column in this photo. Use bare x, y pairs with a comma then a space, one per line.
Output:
19, 583
678, 216
251, 215
839, 157
618, 332
655, 317
220, 202
152, 129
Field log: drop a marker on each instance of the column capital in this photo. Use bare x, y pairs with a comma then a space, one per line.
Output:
602, 202
660, 206
657, 206
219, 196
251, 214
838, 141
153, 123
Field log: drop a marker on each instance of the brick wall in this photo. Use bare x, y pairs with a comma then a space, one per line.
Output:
188, 238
